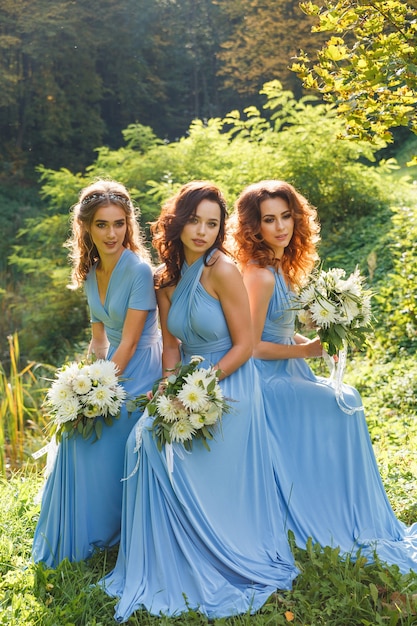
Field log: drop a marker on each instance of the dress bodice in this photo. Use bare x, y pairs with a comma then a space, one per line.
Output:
196, 317
280, 317
130, 286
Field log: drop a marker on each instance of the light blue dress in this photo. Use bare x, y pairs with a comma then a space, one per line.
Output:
82, 499
209, 537
325, 467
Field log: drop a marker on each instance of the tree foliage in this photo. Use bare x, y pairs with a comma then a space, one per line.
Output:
293, 140
264, 38
368, 65
74, 75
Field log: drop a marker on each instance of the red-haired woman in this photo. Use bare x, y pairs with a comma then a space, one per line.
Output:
325, 468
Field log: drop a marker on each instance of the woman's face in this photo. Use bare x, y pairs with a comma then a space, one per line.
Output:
277, 224
201, 230
108, 230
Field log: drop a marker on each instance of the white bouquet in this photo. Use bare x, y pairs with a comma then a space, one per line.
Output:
80, 394
338, 308
187, 405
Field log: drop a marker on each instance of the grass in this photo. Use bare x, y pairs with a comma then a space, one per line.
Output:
329, 590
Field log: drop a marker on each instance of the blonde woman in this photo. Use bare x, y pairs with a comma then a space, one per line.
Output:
81, 504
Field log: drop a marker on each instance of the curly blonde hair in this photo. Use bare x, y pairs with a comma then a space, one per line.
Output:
244, 230
83, 252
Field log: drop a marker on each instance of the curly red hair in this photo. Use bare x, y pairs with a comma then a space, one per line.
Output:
300, 256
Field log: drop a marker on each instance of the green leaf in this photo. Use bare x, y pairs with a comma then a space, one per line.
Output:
374, 592
98, 427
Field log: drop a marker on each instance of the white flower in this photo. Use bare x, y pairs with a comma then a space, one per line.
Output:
119, 393
196, 358
100, 395
68, 410
350, 309
182, 430
193, 397
59, 392
217, 394
366, 310
198, 377
92, 410
68, 373
197, 420
305, 318
353, 284
104, 371
323, 313
307, 295
170, 409
212, 413
81, 384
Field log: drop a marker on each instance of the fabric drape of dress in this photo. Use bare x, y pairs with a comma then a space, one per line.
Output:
210, 536
325, 468
82, 498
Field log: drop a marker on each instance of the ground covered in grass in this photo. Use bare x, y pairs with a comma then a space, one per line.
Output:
329, 590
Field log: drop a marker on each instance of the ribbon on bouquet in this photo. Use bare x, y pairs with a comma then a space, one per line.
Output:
169, 450
51, 450
337, 370
138, 441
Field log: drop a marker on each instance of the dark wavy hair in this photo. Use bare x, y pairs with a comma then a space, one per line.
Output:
300, 256
83, 252
166, 230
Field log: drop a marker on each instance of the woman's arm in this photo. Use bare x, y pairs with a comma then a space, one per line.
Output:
226, 282
99, 343
260, 284
131, 334
171, 345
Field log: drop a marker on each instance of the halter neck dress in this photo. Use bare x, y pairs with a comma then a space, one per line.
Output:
325, 468
210, 537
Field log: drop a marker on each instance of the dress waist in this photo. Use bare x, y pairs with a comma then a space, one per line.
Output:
283, 336
201, 348
146, 341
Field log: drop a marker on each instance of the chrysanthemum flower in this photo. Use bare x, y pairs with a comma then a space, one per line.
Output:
197, 420
68, 410
307, 295
59, 392
323, 313
182, 430
212, 413
305, 318
350, 309
198, 377
100, 395
81, 384
92, 410
193, 397
69, 372
104, 371
169, 408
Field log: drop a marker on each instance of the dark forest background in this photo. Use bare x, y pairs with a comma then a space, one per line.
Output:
74, 74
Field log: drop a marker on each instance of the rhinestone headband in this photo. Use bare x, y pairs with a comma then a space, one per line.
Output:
105, 196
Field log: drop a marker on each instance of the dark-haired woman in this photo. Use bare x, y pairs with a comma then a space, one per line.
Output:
208, 533
81, 503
